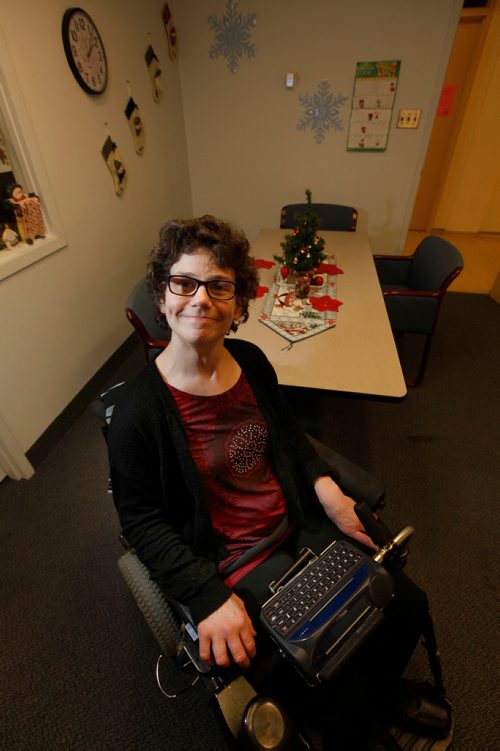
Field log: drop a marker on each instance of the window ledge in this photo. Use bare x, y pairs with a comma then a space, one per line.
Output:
15, 259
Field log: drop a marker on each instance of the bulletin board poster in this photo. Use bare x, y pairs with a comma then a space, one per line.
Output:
375, 87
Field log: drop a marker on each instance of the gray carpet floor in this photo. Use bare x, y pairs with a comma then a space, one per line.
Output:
77, 660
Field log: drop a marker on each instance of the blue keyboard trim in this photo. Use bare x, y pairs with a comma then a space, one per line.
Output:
337, 603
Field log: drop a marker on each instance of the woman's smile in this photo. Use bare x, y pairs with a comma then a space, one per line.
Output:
197, 316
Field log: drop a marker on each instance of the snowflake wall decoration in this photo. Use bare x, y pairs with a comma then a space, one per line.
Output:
321, 111
232, 35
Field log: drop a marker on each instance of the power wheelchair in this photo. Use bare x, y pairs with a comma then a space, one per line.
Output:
257, 721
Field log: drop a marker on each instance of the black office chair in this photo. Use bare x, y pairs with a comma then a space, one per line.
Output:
140, 312
332, 216
414, 287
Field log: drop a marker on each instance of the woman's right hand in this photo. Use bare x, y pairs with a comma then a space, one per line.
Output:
227, 633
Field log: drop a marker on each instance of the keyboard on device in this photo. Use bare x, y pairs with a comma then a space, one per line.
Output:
322, 616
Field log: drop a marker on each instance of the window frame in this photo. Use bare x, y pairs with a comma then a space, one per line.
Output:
21, 139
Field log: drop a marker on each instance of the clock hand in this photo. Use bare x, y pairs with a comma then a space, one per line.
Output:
93, 42
90, 49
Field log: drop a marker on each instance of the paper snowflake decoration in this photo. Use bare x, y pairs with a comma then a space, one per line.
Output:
321, 111
232, 35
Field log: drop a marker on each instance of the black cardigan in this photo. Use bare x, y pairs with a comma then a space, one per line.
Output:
159, 493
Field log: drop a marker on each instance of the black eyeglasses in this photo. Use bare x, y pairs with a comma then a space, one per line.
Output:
186, 286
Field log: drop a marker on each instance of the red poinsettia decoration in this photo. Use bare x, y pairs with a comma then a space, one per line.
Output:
325, 303
329, 268
261, 291
261, 263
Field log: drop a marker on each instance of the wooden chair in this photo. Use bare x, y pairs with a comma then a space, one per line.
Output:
332, 216
414, 287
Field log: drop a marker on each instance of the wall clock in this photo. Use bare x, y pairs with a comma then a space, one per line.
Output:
84, 50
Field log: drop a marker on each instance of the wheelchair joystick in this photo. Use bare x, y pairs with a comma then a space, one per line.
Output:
395, 549
392, 547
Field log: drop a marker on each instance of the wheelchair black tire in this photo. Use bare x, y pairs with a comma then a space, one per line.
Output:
152, 602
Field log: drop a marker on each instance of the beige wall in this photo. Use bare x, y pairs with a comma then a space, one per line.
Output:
61, 318
218, 142
471, 194
247, 157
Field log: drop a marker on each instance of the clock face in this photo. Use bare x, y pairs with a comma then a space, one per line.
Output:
85, 51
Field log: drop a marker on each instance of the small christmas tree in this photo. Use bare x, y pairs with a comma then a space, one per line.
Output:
302, 249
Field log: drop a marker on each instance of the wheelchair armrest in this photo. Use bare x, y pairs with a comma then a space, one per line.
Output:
354, 481
98, 409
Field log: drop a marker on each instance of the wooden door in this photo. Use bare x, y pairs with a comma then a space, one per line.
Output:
457, 84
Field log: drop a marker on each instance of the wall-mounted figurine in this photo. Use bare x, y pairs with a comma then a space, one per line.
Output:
171, 31
115, 165
136, 125
154, 71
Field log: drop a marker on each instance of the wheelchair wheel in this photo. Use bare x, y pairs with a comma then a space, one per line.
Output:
152, 602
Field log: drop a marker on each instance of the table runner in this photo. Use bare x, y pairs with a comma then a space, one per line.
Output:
296, 319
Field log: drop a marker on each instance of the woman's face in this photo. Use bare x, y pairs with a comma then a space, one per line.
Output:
199, 319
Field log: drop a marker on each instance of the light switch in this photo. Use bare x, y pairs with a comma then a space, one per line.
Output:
290, 80
409, 118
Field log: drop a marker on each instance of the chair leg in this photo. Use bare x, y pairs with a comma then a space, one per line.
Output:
412, 382
423, 364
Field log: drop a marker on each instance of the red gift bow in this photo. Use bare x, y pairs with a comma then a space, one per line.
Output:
325, 303
329, 268
260, 263
261, 291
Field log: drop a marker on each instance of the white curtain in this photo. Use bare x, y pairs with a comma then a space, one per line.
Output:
13, 462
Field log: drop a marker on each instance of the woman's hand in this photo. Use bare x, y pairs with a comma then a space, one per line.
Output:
227, 633
340, 510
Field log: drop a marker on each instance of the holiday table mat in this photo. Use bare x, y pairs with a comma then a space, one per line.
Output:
296, 319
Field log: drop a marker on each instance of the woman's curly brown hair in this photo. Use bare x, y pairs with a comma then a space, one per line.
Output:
230, 249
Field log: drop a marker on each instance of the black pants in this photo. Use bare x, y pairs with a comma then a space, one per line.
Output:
363, 687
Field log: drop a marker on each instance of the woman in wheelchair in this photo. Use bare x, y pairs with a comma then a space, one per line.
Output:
208, 464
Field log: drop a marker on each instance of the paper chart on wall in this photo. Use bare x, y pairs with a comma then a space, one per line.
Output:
372, 104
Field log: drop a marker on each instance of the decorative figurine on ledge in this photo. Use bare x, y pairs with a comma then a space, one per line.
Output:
28, 213
9, 237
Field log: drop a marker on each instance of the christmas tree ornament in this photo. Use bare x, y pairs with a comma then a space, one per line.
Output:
115, 165
284, 271
135, 124
154, 71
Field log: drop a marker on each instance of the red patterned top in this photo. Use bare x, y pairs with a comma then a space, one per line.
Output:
229, 441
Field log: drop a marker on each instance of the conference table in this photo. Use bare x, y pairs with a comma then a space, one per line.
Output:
358, 355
